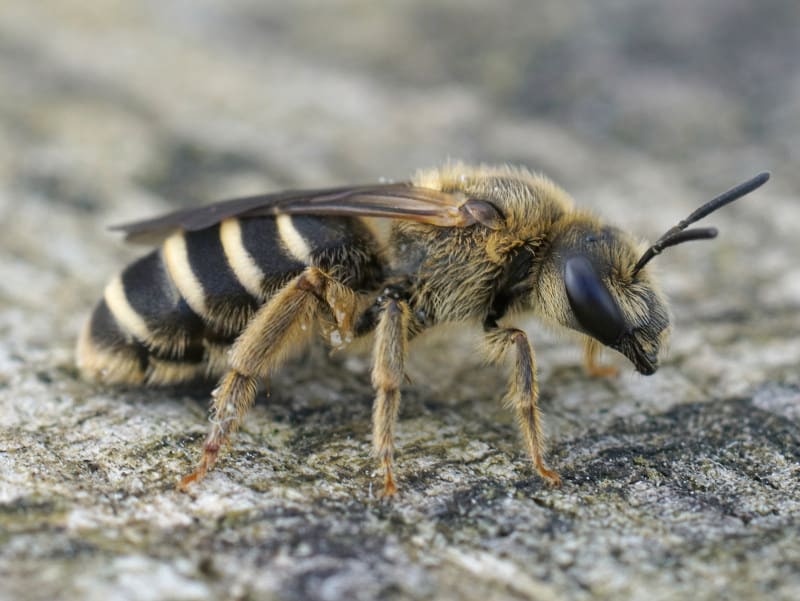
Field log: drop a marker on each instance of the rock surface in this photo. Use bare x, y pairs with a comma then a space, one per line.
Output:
682, 485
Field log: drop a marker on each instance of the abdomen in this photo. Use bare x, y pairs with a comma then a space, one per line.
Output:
170, 316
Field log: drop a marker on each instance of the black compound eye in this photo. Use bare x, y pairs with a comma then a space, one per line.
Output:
591, 302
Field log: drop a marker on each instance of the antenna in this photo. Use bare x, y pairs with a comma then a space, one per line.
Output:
679, 234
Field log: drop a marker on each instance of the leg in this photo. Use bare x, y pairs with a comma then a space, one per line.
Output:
276, 330
591, 349
523, 393
231, 401
391, 341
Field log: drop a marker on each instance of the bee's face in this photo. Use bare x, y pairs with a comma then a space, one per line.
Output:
591, 289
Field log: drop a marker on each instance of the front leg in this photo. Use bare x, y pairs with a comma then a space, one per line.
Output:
523, 393
591, 350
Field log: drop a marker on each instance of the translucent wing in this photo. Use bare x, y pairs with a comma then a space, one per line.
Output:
394, 201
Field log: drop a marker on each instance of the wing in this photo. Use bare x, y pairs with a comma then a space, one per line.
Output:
394, 201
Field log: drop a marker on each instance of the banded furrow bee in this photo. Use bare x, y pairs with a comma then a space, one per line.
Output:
237, 287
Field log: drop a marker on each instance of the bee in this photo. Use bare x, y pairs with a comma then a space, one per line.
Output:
236, 288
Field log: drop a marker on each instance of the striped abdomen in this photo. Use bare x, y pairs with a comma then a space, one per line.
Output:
170, 316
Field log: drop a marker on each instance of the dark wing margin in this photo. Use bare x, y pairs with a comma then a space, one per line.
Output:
393, 201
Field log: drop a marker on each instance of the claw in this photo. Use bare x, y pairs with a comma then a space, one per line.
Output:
210, 452
602, 371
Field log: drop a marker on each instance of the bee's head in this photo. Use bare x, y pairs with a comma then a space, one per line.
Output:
588, 284
595, 281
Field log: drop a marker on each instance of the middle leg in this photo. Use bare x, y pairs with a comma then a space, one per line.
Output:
391, 342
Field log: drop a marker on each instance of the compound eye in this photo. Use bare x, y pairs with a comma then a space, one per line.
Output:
591, 302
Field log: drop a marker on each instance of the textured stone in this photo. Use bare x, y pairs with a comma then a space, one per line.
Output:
682, 485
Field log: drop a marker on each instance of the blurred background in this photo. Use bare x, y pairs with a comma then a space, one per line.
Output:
116, 110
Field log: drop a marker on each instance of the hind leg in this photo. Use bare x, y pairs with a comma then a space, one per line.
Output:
278, 329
